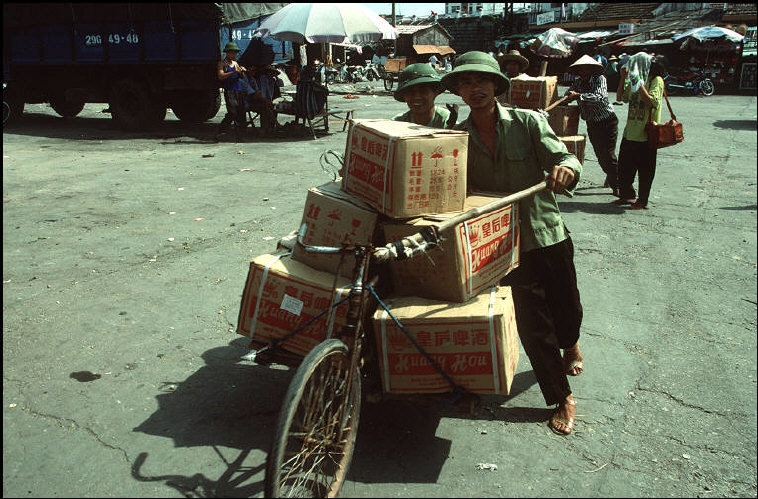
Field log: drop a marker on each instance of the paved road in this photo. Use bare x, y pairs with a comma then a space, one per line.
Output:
124, 258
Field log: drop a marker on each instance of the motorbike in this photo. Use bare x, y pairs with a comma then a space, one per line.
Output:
342, 73
371, 72
692, 83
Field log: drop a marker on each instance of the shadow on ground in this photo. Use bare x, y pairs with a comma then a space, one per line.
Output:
219, 404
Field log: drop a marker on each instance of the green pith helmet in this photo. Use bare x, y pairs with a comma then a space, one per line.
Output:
231, 46
417, 74
478, 62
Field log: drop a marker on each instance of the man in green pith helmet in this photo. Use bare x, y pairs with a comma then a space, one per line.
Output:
510, 150
418, 86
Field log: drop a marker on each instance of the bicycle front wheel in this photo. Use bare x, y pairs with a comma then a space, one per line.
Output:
388, 82
707, 87
315, 435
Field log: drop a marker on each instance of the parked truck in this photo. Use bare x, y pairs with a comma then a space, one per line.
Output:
138, 58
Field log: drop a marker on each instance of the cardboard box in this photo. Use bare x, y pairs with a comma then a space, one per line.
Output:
475, 344
564, 120
533, 92
575, 145
473, 256
333, 216
406, 170
281, 295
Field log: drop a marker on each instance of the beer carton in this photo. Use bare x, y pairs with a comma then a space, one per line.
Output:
282, 295
406, 170
474, 343
532, 92
472, 256
333, 216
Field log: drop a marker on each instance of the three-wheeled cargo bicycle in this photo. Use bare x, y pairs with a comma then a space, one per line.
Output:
316, 430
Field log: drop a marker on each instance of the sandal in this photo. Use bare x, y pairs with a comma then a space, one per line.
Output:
559, 424
624, 201
573, 361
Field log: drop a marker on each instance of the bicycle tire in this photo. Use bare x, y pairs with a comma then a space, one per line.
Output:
318, 422
707, 87
388, 82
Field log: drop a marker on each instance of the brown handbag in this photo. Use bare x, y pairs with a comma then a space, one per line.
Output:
661, 135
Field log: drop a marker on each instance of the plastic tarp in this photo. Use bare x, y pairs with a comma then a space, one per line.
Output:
555, 42
709, 33
239, 25
237, 12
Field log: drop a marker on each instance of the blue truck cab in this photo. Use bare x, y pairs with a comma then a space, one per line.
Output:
139, 58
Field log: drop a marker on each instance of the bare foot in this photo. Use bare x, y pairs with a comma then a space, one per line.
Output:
573, 360
562, 420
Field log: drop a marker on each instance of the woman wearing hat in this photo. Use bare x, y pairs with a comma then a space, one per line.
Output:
510, 150
590, 90
229, 74
612, 72
418, 86
512, 63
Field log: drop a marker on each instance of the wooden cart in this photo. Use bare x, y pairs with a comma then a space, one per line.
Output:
391, 70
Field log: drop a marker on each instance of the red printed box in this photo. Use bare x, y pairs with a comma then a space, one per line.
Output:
532, 92
282, 295
474, 343
333, 216
473, 255
406, 170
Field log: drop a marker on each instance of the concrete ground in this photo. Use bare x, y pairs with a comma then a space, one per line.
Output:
124, 260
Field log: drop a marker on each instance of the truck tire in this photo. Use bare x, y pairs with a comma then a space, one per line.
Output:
133, 107
196, 107
67, 108
15, 103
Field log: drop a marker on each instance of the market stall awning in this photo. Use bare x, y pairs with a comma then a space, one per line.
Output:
433, 49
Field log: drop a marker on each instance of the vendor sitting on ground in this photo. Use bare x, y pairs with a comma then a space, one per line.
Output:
418, 86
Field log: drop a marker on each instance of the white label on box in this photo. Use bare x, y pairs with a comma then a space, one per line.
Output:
291, 304
268, 265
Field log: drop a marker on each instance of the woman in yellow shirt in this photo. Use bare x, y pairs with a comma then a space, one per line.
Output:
641, 85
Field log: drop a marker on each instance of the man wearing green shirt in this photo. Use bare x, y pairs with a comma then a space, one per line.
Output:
510, 150
418, 86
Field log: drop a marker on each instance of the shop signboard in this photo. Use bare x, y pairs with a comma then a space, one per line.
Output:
626, 28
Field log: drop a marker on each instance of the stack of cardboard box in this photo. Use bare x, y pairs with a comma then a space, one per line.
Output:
396, 178
564, 120
529, 92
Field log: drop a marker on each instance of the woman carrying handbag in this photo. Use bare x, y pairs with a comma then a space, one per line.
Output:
641, 85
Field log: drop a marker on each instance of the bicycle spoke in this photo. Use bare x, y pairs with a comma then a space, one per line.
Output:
317, 437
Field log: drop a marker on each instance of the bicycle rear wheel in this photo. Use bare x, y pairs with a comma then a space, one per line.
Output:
315, 435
